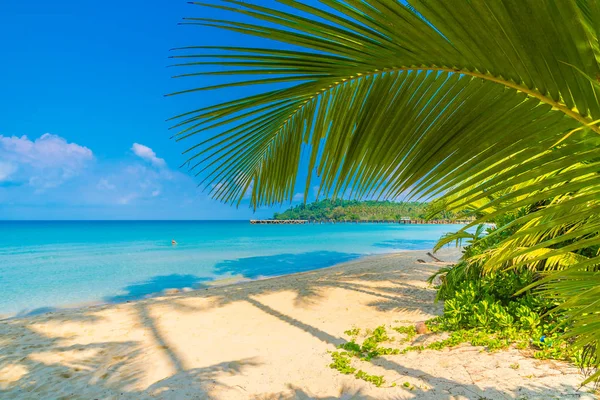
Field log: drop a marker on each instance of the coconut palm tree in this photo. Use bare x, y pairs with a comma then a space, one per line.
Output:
486, 104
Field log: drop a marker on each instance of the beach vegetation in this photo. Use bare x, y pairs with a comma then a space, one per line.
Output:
505, 302
409, 333
495, 310
370, 348
491, 108
539, 346
353, 332
342, 363
354, 210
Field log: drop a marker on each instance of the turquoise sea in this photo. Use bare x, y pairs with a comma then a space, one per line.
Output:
50, 264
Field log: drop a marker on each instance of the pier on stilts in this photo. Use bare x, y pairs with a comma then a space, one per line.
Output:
407, 221
279, 221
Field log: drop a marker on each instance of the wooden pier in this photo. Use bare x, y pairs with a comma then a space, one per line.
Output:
331, 221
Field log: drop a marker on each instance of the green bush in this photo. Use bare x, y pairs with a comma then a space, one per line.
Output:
495, 310
489, 303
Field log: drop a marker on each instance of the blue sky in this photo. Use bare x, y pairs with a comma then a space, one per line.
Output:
83, 132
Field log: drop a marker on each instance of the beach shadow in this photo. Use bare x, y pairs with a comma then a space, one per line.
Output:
282, 264
36, 311
201, 382
249, 268
35, 365
346, 393
148, 322
314, 331
157, 285
451, 389
386, 285
400, 297
40, 366
58, 314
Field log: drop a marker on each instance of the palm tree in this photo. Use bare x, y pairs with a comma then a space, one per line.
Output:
490, 105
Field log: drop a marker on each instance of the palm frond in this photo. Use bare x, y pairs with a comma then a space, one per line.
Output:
356, 57
492, 105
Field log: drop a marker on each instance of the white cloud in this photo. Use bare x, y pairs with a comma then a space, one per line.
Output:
43, 163
146, 153
134, 183
105, 184
86, 187
6, 170
124, 200
298, 197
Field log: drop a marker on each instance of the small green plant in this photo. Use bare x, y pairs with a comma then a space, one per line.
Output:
409, 331
341, 363
369, 349
352, 332
515, 366
408, 385
376, 380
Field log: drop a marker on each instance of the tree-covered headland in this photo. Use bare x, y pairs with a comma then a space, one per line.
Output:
353, 210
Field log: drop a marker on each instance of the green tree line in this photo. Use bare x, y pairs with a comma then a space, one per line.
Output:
353, 210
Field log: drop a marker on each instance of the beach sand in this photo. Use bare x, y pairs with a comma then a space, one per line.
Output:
265, 339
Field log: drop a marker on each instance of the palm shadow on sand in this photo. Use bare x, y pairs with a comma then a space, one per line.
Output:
157, 285
122, 377
245, 268
283, 264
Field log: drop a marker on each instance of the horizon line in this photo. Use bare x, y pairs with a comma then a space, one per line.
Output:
120, 220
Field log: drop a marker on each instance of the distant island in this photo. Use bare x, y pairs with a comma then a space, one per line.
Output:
353, 210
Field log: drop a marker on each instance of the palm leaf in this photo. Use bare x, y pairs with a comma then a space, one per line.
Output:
363, 51
492, 105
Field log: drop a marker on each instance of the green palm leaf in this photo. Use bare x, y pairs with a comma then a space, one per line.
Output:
370, 51
493, 105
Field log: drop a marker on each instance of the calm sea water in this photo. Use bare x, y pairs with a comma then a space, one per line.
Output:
52, 264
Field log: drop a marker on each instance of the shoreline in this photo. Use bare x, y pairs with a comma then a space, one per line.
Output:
265, 339
54, 265
217, 283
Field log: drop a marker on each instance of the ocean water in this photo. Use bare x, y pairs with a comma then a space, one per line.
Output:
47, 265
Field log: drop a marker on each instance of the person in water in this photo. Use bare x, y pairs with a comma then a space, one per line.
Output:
173, 242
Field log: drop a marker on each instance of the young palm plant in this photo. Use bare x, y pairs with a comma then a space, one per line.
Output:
488, 105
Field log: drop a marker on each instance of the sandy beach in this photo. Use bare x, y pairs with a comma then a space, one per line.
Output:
265, 339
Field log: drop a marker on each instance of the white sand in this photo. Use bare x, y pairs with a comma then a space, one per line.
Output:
263, 340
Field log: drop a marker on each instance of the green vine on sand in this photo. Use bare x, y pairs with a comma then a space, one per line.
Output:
342, 360
493, 310
369, 349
